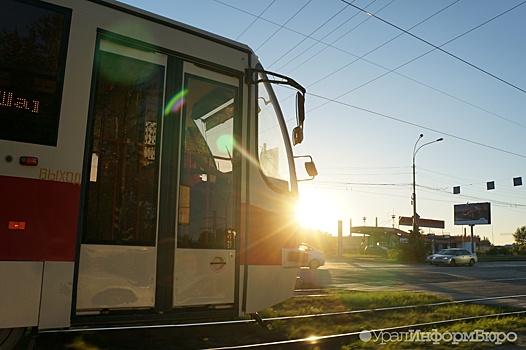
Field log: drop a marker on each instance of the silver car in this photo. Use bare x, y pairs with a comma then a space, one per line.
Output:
454, 257
430, 257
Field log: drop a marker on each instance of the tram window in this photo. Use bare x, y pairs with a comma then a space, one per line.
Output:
123, 187
206, 211
33, 39
272, 150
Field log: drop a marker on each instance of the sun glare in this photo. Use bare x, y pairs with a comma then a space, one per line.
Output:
316, 209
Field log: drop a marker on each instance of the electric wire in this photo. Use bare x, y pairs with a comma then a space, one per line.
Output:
451, 198
463, 139
255, 20
383, 115
283, 25
307, 36
358, 58
479, 187
261, 18
446, 190
418, 57
331, 44
439, 47
320, 41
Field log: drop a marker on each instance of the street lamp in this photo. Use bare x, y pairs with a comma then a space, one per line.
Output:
415, 150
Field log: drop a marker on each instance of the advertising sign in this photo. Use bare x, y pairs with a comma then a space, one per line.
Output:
472, 214
408, 221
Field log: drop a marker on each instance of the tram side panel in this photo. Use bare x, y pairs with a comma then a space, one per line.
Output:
40, 201
37, 249
41, 150
39, 211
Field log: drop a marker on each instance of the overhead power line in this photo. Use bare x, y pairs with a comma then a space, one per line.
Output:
283, 25
255, 19
438, 47
394, 70
307, 36
320, 41
417, 125
331, 44
422, 55
362, 57
334, 100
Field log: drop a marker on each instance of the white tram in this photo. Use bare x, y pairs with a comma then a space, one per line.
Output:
146, 173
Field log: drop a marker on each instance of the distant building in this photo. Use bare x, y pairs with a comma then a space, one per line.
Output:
448, 241
362, 236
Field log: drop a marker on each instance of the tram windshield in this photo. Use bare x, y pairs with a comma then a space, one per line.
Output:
272, 140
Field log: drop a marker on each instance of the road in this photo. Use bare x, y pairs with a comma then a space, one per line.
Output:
505, 281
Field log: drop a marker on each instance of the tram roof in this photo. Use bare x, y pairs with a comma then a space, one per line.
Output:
172, 23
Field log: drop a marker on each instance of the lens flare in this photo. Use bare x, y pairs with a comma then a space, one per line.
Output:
176, 103
225, 143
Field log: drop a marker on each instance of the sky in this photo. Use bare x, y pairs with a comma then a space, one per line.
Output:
451, 69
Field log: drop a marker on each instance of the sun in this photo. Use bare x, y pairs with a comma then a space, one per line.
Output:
318, 209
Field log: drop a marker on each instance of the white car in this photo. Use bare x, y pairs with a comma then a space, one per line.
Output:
315, 259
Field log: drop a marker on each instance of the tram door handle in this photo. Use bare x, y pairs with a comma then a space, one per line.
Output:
217, 263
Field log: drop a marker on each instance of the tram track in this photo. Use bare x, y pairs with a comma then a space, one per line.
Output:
334, 341
283, 318
329, 341
258, 337
337, 340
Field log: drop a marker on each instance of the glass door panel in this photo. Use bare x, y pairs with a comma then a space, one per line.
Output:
205, 256
118, 251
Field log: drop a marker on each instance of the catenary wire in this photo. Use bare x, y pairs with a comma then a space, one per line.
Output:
378, 65
412, 60
344, 186
307, 36
327, 45
457, 38
381, 45
383, 115
424, 54
439, 47
255, 19
283, 25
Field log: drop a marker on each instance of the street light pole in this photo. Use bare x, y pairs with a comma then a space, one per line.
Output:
415, 150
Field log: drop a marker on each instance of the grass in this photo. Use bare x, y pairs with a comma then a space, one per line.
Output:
335, 301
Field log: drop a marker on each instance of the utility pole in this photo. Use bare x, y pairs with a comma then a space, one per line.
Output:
416, 229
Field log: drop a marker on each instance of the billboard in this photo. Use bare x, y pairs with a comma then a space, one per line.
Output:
408, 221
472, 214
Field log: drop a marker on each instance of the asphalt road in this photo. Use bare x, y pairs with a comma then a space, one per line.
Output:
505, 281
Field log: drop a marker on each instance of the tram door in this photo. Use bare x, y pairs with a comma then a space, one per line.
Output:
118, 256
205, 253
159, 229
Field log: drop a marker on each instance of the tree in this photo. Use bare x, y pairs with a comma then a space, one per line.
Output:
520, 236
484, 243
413, 251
